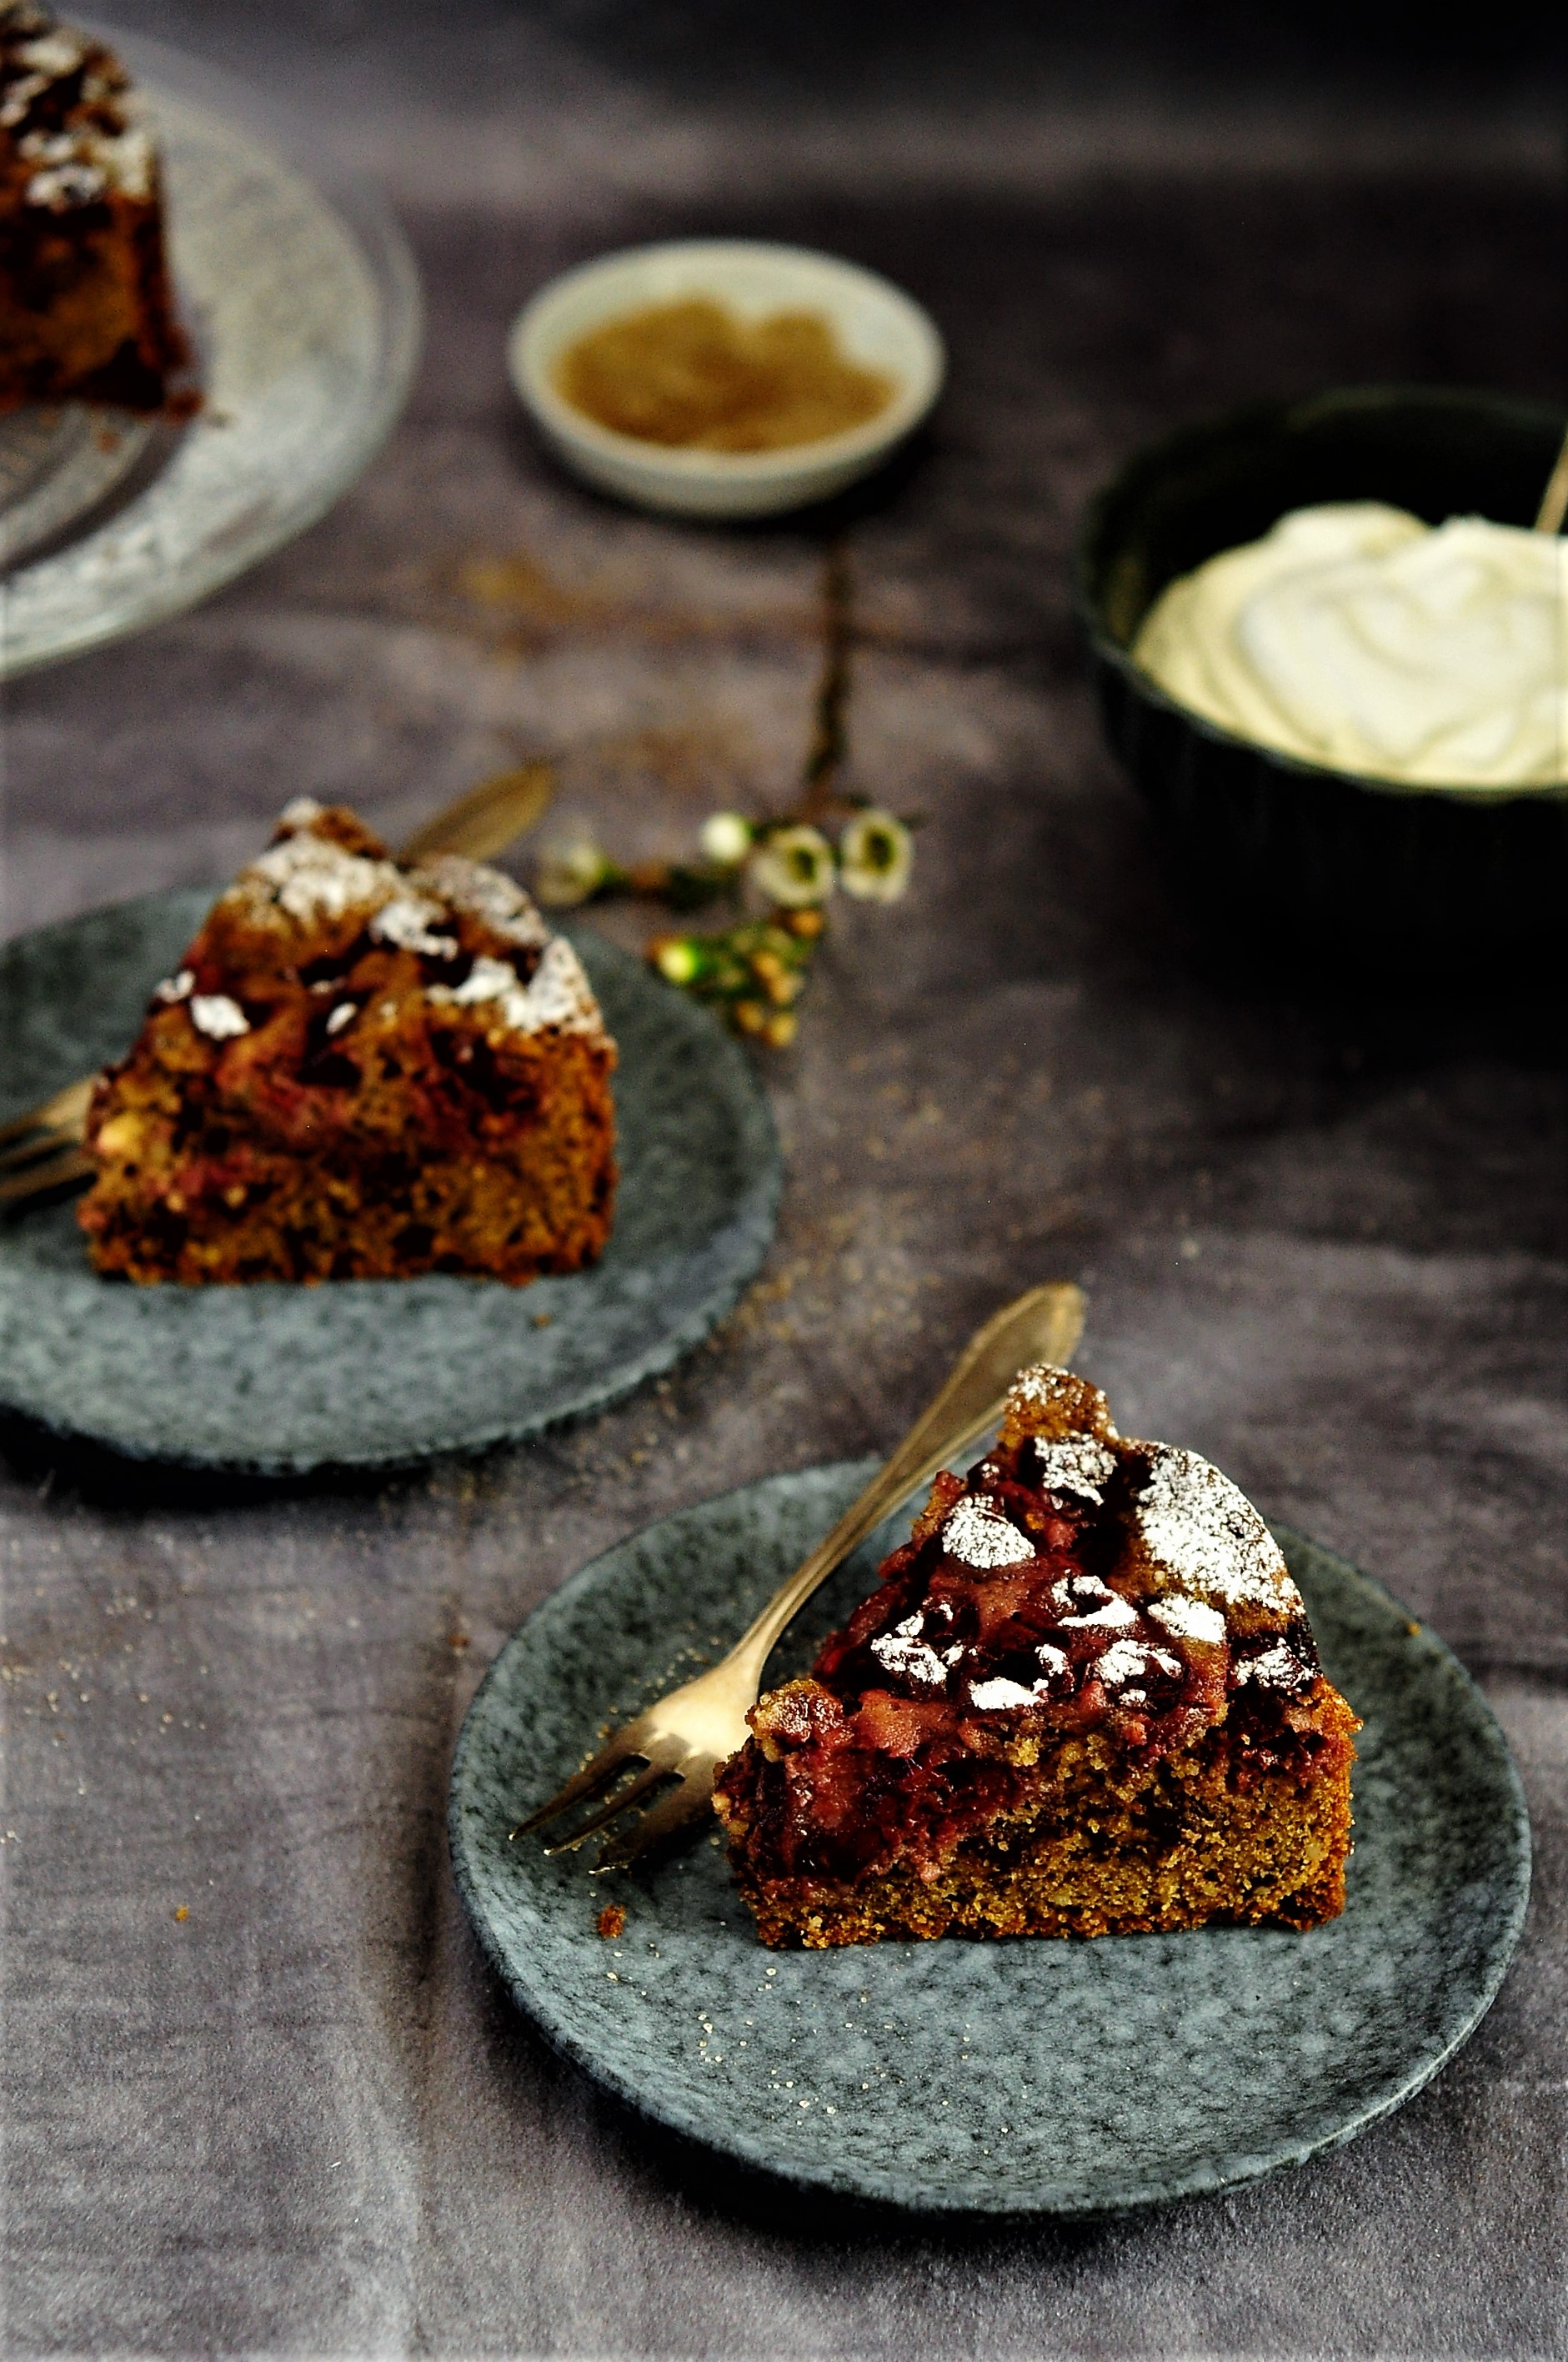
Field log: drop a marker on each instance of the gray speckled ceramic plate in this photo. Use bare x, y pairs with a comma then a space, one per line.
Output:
280, 1379
1007, 2079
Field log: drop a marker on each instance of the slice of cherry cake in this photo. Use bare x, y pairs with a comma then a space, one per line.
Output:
361, 1069
1085, 1699
85, 306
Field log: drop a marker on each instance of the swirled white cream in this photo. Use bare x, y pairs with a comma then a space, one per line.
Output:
1357, 637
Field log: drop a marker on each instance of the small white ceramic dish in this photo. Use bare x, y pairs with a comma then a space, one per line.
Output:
876, 325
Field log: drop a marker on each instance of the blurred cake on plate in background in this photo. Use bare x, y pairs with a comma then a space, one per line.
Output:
85, 308
361, 1069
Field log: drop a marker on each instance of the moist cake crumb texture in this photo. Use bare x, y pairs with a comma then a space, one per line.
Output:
1084, 1699
360, 1070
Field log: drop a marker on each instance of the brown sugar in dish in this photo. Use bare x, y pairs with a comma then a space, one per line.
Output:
1085, 1699
691, 374
85, 309
362, 1069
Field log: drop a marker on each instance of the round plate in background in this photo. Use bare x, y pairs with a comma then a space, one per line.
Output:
280, 1379
1015, 2077
306, 311
57, 461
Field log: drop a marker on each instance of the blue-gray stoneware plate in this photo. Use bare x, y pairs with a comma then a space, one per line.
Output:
1004, 2079
277, 1379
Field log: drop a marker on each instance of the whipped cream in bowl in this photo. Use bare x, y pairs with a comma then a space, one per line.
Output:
1355, 636
1332, 657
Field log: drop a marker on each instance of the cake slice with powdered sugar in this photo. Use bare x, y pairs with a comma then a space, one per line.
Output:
361, 1069
86, 311
1085, 1699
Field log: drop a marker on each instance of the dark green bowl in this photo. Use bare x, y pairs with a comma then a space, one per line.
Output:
1287, 855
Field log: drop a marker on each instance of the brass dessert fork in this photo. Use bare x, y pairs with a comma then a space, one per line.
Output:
686, 1735
43, 1149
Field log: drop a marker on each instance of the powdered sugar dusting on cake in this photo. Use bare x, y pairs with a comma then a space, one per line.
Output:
1129, 1660
18, 98
53, 54
410, 923
175, 988
1046, 1387
902, 1651
218, 1017
488, 979
1077, 1464
311, 877
1201, 1529
1186, 1620
1093, 1604
59, 187
977, 1534
80, 161
485, 894
1278, 1667
999, 1693
128, 159
559, 994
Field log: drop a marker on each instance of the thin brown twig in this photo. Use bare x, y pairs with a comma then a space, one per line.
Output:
829, 739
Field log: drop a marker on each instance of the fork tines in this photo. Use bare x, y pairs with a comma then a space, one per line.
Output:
652, 1829
41, 1149
584, 1786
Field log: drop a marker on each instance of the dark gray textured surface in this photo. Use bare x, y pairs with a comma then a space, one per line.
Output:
1324, 1238
283, 1381
975, 2078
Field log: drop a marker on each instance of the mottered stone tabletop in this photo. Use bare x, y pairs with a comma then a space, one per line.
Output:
260, 2094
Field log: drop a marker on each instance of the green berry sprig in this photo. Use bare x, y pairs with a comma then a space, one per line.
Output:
755, 970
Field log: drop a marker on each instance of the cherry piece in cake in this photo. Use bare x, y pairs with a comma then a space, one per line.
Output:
361, 1069
1085, 1699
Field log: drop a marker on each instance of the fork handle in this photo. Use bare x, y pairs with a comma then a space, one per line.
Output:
1043, 1325
484, 821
